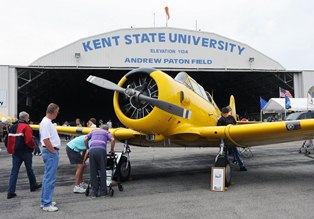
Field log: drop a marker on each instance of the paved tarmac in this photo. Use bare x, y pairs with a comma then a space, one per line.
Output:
175, 183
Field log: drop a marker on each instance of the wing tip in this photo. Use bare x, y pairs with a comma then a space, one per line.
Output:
90, 78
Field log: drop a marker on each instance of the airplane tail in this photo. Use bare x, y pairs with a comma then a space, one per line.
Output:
233, 107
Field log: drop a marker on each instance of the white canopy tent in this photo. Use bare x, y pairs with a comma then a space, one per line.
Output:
277, 105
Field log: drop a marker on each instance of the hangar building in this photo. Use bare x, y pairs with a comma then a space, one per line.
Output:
221, 65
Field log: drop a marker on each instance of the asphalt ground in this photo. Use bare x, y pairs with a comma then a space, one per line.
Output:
175, 183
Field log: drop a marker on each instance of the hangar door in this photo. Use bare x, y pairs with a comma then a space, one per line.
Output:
80, 99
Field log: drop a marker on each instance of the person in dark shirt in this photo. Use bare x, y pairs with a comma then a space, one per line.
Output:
98, 158
227, 119
5, 130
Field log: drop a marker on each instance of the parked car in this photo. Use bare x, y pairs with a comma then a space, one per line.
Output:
301, 115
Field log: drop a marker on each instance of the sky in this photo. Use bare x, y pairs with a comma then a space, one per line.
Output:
281, 29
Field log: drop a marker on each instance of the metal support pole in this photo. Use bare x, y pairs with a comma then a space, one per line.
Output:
221, 147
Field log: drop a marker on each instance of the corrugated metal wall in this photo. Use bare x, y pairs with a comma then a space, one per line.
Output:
8, 86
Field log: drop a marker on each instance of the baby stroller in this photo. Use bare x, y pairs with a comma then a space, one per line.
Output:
111, 174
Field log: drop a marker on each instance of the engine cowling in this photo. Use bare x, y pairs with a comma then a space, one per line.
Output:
138, 114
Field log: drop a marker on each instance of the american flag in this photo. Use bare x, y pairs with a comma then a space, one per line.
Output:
284, 93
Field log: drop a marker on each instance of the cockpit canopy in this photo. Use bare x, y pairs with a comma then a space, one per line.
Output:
188, 81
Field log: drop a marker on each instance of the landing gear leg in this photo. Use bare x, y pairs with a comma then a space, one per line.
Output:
222, 160
124, 166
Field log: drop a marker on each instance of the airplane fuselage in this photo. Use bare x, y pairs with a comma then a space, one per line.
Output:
160, 122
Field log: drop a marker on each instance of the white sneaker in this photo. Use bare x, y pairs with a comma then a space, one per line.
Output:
50, 208
52, 203
78, 189
83, 185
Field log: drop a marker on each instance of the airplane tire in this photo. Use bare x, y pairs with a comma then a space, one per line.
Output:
122, 171
111, 192
222, 161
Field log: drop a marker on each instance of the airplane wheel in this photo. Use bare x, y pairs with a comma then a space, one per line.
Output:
111, 192
222, 161
123, 169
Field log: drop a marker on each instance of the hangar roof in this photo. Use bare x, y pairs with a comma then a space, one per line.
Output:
164, 48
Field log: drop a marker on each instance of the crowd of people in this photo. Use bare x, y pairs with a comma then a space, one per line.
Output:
92, 123
21, 143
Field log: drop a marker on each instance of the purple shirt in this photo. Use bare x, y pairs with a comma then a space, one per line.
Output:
98, 138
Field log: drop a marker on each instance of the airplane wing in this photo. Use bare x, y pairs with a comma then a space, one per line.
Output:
247, 122
259, 134
245, 135
120, 134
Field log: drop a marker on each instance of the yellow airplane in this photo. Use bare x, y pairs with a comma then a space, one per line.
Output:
7, 119
159, 111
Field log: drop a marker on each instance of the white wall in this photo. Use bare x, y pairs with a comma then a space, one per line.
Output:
308, 81
298, 84
303, 81
8, 91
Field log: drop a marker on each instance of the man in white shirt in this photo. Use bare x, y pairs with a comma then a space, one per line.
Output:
51, 143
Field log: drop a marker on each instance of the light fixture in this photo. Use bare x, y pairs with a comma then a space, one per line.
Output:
251, 59
77, 55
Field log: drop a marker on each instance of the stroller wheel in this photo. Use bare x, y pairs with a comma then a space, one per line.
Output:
111, 192
120, 187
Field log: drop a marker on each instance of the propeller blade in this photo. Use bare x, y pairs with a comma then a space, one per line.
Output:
104, 83
168, 107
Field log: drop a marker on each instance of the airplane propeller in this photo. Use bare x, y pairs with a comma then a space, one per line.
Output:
132, 93
105, 84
